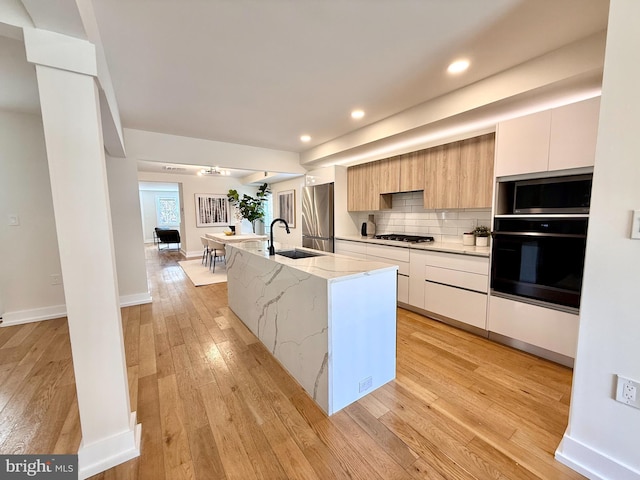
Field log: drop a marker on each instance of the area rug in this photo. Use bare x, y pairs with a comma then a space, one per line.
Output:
200, 274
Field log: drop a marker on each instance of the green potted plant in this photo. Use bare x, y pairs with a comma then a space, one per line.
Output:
251, 208
482, 233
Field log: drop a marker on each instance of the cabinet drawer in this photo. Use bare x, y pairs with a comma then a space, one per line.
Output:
392, 255
345, 247
456, 278
464, 263
403, 267
399, 254
461, 305
543, 327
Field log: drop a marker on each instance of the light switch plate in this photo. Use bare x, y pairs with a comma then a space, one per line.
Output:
635, 225
14, 220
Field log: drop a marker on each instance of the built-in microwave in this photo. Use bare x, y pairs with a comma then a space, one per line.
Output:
556, 195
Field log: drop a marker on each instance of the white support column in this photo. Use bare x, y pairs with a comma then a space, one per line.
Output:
73, 135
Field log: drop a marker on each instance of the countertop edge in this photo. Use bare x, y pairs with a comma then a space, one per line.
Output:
326, 272
454, 248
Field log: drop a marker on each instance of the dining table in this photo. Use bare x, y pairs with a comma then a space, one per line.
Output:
242, 237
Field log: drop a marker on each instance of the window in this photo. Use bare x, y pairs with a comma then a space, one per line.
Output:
167, 211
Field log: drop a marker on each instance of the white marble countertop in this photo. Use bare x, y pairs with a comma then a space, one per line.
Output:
435, 246
329, 266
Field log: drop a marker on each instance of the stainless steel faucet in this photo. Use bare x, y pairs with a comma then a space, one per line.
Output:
272, 250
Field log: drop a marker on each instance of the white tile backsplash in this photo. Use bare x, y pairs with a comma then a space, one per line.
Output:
407, 216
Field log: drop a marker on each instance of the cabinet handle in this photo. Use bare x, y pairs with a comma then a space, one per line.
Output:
539, 234
455, 286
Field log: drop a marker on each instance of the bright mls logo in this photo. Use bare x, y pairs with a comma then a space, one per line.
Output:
50, 467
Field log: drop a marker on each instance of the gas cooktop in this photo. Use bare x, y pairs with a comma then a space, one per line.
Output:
399, 237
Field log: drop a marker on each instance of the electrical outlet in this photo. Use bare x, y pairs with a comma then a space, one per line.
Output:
56, 279
627, 391
365, 384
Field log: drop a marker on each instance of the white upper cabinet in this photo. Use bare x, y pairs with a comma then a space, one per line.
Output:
574, 130
522, 144
556, 139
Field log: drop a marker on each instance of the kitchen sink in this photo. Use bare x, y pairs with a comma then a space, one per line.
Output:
298, 254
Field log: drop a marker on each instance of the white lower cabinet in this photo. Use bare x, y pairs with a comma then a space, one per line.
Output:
351, 249
543, 327
403, 288
450, 285
417, 262
461, 305
396, 256
381, 253
446, 284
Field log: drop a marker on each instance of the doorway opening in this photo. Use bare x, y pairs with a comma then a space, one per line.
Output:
160, 207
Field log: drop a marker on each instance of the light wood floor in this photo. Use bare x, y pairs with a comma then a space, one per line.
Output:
215, 405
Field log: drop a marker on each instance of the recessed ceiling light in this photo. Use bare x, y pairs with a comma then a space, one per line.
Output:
357, 114
305, 138
458, 66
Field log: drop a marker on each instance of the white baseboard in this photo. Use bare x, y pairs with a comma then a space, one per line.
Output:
135, 299
56, 311
112, 451
33, 315
591, 463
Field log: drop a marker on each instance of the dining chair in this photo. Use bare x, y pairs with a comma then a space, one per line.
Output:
216, 249
205, 252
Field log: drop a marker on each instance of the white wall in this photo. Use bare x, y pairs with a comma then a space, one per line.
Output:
30, 250
122, 177
602, 439
192, 184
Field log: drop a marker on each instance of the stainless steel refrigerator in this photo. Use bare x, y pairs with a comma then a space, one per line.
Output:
317, 217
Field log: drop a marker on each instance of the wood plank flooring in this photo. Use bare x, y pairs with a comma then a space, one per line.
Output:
214, 404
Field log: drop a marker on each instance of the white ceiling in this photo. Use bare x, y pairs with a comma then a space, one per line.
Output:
262, 73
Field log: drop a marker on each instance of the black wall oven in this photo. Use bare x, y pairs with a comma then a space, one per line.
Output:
539, 259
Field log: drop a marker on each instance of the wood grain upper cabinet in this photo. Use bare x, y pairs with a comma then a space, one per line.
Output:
441, 176
387, 172
412, 168
359, 194
363, 188
522, 144
574, 130
476, 171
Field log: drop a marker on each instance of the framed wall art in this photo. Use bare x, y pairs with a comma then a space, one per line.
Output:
212, 210
287, 207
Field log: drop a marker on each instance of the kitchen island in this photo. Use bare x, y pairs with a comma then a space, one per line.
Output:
330, 320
